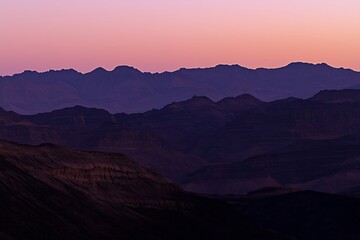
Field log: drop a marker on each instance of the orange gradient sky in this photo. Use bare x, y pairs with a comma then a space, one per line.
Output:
160, 35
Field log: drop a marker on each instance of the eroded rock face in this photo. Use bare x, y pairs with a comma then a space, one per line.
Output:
54, 192
103, 176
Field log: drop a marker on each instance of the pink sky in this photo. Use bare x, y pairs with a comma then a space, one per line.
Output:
159, 35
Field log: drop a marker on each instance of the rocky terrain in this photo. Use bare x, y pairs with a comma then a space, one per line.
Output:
52, 192
230, 147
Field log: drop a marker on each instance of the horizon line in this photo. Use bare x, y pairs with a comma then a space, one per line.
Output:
181, 68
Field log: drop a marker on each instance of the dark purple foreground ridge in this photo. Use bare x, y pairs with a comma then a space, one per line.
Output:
222, 164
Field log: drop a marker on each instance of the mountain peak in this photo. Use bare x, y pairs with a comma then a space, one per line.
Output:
227, 66
230, 66
201, 98
79, 108
241, 102
337, 96
323, 64
194, 102
71, 70
306, 65
125, 72
99, 70
125, 68
53, 74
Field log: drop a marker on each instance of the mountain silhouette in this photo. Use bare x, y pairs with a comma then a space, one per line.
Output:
126, 89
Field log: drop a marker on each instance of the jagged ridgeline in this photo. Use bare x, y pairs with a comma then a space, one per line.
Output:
126, 89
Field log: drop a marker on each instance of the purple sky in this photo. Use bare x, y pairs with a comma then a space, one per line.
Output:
161, 35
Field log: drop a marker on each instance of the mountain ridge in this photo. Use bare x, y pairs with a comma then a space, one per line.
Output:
127, 89
102, 69
183, 137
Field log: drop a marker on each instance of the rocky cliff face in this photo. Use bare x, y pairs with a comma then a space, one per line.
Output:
97, 174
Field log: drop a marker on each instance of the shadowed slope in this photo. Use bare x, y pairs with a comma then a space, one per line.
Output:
305, 214
51, 192
323, 165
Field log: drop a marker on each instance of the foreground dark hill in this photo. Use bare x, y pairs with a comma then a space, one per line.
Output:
303, 214
322, 165
126, 89
51, 192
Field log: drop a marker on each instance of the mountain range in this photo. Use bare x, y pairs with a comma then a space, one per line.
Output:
231, 146
126, 89
236, 167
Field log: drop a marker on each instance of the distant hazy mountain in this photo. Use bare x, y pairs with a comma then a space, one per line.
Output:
126, 89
